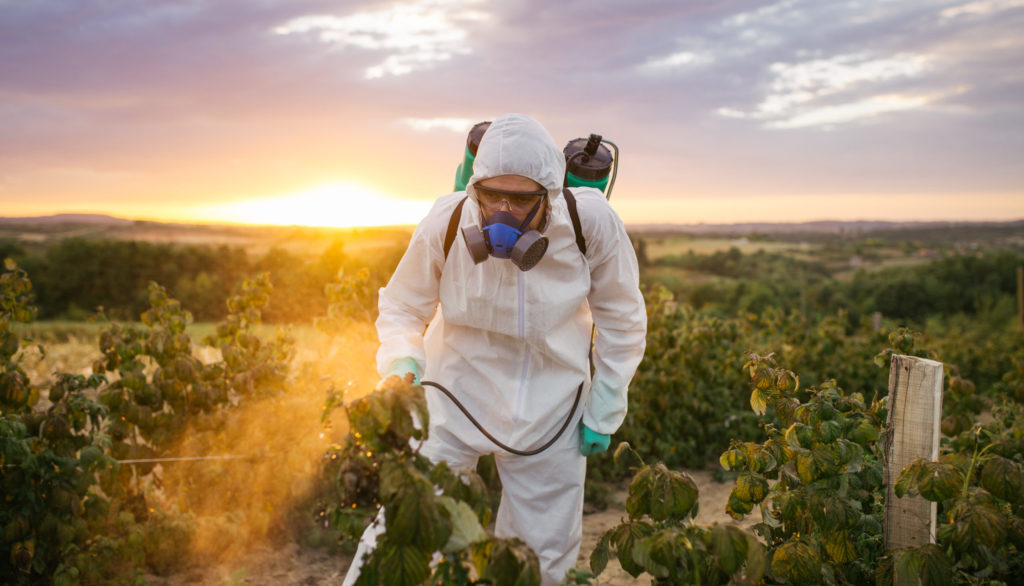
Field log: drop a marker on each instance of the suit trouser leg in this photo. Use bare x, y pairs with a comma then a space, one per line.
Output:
542, 504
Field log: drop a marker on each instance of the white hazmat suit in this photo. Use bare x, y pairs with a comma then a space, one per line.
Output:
513, 346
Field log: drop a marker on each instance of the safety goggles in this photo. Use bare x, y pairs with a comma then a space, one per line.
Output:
518, 201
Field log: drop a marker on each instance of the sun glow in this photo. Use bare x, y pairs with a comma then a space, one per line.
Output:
335, 205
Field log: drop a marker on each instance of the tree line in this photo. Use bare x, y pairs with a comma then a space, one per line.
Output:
730, 281
76, 277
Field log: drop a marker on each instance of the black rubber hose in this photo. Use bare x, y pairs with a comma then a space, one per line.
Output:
575, 403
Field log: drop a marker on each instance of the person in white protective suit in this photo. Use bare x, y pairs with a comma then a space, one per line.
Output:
513, 345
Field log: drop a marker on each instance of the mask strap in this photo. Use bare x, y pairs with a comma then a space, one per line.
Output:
533, 212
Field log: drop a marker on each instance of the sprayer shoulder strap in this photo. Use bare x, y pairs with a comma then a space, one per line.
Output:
453, 227
570, 201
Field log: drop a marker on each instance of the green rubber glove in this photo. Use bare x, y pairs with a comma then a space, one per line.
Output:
592, 442
402, 366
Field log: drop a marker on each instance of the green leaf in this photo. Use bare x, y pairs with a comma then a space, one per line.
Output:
797, 563
829, 431
756, 562
729, 546
835, 512
638, 501
404, 565
940, 482
466, 528
601, 554
977, 522
1003, 478
909, 478
624, 537
663, 554
927, 564
415, 516
673, 494
510, 561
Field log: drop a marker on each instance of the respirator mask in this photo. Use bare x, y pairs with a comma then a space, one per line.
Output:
503, 235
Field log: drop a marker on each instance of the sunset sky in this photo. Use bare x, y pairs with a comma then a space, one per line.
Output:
353, 112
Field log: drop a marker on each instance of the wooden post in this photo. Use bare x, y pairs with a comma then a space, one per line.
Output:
912, 432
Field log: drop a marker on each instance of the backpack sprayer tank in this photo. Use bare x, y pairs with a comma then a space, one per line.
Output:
588, 162
465, 170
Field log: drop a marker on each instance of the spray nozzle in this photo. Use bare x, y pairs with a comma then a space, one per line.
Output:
591, 149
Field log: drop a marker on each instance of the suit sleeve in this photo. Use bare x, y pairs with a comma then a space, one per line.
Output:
407, 304
618, 310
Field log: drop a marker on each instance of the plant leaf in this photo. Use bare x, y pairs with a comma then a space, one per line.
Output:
729, 545
511, 562
624, 539
404, 565
839, 547
940, 481
758, 401
796, 562
927, 564
673, 494
977, 522
466, 528
601, 554
751, 487
1003, 478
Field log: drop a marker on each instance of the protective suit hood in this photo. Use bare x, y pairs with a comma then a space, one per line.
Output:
516, 144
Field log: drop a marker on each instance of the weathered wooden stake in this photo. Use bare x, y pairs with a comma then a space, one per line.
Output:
915, 414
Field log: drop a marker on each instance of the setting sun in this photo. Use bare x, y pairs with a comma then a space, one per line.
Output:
336, 205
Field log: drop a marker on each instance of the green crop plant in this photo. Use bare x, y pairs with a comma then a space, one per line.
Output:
660, 539
427, 508
979, 485
817, 478
50, 458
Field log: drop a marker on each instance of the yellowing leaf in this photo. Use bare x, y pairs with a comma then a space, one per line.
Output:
751, 487
839, 547
758, 401
796, 563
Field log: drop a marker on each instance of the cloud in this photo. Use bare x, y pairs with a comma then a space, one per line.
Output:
417, 35
674, 61
980, 8
797, 89
459, 125
829, 116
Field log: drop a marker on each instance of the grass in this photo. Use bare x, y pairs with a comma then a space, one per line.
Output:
679, 245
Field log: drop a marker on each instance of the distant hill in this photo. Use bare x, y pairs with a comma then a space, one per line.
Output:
78, 219
826, 226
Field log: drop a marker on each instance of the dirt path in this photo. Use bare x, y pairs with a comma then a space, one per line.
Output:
293, 565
